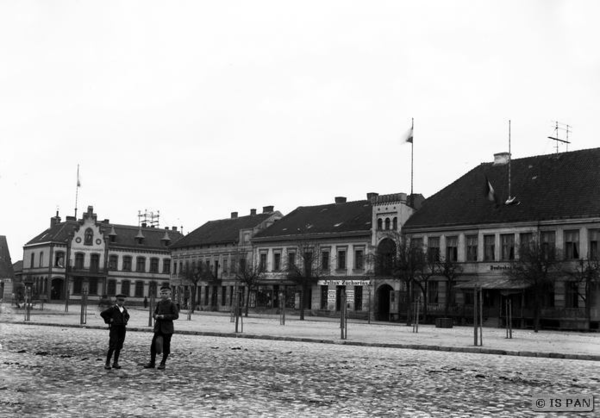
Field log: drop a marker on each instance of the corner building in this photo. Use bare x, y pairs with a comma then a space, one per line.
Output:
553, 199
98, 259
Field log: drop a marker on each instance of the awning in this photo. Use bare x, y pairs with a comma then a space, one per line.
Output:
492, 283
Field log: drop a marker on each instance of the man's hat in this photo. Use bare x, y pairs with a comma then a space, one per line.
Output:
165, 287
121, 296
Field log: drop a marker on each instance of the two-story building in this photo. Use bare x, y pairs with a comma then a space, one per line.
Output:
315, 253
98, 259
481, 221
206, 261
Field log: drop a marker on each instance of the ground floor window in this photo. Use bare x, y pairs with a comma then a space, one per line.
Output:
125, 287
324, 296
77, 285
139, 289
111, 288
358, 298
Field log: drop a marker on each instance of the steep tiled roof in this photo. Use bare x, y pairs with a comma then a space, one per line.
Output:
221, 231
336, 218
125, 235
554, 186
6, 267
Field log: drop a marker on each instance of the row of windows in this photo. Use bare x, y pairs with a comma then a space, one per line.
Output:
113, 263
126, 287
293, 259
506, 252
306, 258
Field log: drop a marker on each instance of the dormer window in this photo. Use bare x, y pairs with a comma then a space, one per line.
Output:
139, 238
88, 237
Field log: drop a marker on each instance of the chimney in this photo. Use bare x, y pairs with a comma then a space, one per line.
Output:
106, 221
144, 224
252, 212
166, 228
501, 158
371, 195
234, 215
55, 220
174, 228
340, 199
268, 209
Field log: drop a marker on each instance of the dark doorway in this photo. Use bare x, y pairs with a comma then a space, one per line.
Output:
56, 289
383, 302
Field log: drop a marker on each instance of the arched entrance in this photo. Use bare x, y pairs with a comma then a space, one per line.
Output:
383, 302
56, 289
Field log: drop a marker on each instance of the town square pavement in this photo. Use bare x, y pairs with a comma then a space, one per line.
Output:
52, 366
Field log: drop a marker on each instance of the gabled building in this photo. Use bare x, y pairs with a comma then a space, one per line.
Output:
7, 274
552, 199
98, 259
213, 252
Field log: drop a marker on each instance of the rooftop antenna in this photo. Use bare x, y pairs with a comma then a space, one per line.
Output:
561, 127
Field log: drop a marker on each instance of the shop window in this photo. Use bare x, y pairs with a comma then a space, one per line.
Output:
358, 298
324, 295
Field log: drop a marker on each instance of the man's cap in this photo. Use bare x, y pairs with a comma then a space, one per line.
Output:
165, 287
121, 296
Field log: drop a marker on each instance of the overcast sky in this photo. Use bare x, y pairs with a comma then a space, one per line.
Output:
198, 109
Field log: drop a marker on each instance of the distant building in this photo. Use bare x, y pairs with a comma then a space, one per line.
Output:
207, 260
551, 199
7, 275
97, 258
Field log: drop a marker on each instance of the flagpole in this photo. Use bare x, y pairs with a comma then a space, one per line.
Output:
412, 148
76, 191
509, 158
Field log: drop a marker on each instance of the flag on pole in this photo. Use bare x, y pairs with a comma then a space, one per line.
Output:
78, 181
490, 193
408, 136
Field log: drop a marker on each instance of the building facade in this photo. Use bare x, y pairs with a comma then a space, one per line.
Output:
97, 259
321, 255
482, 222
206, 262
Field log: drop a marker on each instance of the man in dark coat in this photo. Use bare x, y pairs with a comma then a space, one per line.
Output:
116, 317
165, 313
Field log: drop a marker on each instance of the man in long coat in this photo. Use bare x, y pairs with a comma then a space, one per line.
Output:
165, 313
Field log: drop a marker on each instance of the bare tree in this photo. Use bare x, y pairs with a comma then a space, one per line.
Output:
306, 269
192, 274
537, 266
586, 272
451, 270
249, 273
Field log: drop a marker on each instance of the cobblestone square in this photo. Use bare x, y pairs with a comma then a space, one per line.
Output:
52, 371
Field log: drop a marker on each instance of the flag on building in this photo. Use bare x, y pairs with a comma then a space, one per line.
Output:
408, 136
78, 180
490, 193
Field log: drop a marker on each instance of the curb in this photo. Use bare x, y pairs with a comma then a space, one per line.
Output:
473, 350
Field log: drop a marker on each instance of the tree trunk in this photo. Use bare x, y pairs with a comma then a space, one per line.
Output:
302, 301
536, 313
409, 300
